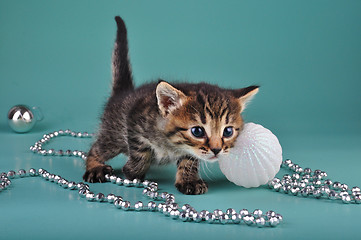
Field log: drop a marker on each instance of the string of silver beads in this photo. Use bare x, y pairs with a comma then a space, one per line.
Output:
186, 212
308, 183
38, 146
5, 182
303, 182
167, 205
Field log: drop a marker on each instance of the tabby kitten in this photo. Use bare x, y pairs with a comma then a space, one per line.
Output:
159, 123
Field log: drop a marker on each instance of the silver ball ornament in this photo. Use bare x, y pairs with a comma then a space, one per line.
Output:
22, 118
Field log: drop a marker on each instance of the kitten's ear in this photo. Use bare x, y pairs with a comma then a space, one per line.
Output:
245, 95
169, 98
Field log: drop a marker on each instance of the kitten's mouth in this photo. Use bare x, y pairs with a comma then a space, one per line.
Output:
212, 159
207, 157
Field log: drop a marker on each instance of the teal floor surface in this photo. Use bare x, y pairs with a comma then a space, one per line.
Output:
305, 55
34, 208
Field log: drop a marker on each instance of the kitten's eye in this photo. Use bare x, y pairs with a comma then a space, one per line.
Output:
228, 132
198, 132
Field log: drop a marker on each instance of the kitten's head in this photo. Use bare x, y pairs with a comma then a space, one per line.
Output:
203, 120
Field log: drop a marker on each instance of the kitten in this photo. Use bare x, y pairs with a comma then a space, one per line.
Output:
159, 123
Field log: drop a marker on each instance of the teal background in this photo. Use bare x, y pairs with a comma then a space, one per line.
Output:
306, 55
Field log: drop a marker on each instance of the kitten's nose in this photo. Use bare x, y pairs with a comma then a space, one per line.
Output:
216, 151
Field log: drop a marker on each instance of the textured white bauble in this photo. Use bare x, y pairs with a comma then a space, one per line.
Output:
255, 159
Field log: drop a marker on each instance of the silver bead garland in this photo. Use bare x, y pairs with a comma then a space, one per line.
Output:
38, 146
167, 207
308, 183
303, 182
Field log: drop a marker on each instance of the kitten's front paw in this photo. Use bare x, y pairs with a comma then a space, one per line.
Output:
97, 174
192, 188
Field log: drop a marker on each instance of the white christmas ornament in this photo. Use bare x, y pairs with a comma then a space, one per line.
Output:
255, 159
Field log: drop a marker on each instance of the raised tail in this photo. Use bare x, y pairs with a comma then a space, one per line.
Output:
122, 75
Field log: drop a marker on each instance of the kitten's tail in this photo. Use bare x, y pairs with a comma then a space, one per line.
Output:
122, 74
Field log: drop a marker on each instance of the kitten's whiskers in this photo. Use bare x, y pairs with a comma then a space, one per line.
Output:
204, 170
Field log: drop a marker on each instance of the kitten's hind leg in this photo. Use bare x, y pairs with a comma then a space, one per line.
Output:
138, 162
97, 171
187, 178
95, 167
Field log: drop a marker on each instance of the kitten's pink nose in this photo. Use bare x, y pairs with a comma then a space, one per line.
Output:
216, 151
